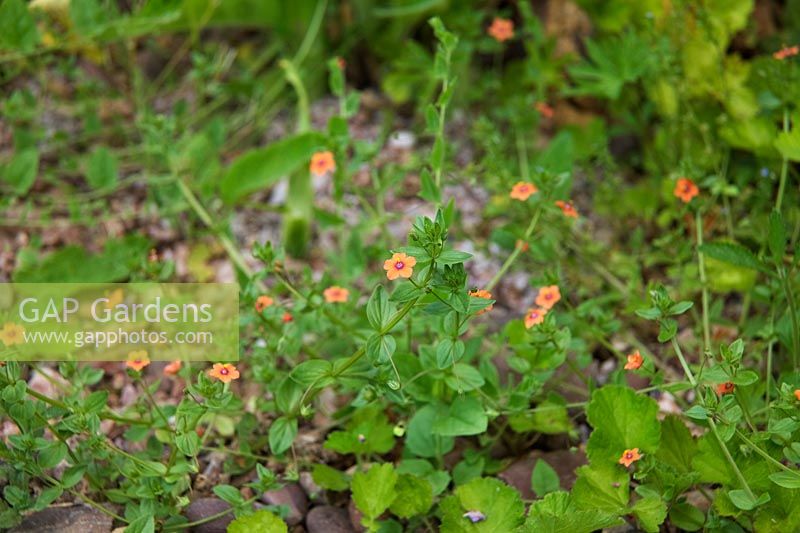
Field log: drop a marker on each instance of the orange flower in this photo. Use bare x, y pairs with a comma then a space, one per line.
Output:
137, 360
482, 293
786, 51
685, 189
725, 388
629, 457
522, 245
635, 361
501, 29
523, 190
336, 294
12, 334
224, 372
287, 317
548, 296
797, 394
544, 109
341, 63
262, 302
322, 163
534, 316
567, 208
399, 266
173, 368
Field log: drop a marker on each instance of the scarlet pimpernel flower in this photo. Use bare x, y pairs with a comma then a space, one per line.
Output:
262, 302
685, 189
137, 360
501, 29
548, 296
225, 372
523, 190
725, 388
545, 109
629, 457
12, 334
797, 394
568, 208
786, 51
635, 361
322, 163
336, 294
482, 293
173, 368
534, 316
399, 266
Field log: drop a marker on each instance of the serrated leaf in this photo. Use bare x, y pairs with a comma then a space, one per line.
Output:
464, 417
650, 511
602, 486
501, 506
732, 253
622, 420
374, 491
414, 496
260, 521
557, 513
329, 478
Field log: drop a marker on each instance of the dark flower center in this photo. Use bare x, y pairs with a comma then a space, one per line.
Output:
399, 265
224, 371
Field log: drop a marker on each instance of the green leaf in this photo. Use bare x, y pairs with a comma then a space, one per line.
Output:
379, 312
612, 63
544, 479
263, 167
464, 417
311, 371
374, 491
21, 172
732, 253
380, 348
102, 169
499, 503
464, 378
603, 487
448, 352
420, 438
260, 521
668, 328
686, 517
677, 444
549, 417
414, 496
329, 478
53, 454
650, 511
452, 257
557, 513
230, 494
88, 16
745, 502
788, 144
622, 420
787, 480
281, 434
777, 237
697, 412
17, 26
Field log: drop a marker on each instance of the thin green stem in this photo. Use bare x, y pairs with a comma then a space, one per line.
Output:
784, 165
703, 282
765, 455
209, 518
711, 423
517, 249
